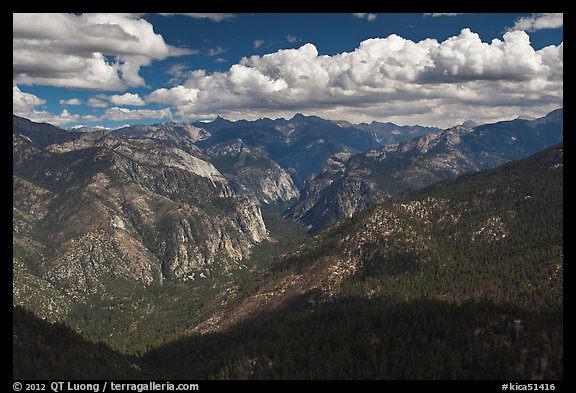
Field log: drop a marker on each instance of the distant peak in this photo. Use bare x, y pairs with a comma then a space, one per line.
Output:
470, 124
221, 119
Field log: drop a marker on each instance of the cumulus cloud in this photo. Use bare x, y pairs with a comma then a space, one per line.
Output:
87, 51
258, 43
24, 103
65, 117
466, 57
178, 72
213, 17
369, 17
121, 114
97, 103
176, 96
127, 99
71, 101
428, 81
539, 22
292, 38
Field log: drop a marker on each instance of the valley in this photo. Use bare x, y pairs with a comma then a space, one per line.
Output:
161, 243
311, 196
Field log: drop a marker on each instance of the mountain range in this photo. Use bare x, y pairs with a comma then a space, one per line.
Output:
352, 182
467, 273
462, 281
144, 234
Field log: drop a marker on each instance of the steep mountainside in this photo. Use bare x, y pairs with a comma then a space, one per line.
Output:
140, 236
43, 134
299, 145
45, 351
351, 183
249, 172
253, 173
463, 281
388, 133
493, 235
175, 132
120, 208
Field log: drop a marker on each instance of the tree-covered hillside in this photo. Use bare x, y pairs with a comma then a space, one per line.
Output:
462, 281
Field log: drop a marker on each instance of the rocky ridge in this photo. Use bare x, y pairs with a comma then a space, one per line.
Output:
350, 183
89, 210
466, 239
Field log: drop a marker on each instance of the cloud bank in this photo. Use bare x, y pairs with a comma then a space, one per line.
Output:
88, 51
435, 82
127, 99
393, 78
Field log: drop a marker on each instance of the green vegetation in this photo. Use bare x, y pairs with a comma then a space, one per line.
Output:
466, 283
359, 339
463, 280
494, 235
285, 235
138, 318
42, 350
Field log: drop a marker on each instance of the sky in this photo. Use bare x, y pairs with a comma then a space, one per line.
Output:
111, 70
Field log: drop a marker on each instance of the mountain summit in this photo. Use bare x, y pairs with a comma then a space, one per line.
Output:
345, 186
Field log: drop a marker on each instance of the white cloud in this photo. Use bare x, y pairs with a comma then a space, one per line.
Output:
431, 82
220, 60
87, 51
66, 117
258, 43
63, 118
436, 14
539, 22
176, 96
127, 99
71, 101
213, 17
292, 38
465, 57
24, 103
114, 114
178, 72
216, 51
369, 17
121, 114
97, 103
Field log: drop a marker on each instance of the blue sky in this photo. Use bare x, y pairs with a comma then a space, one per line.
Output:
117, 69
